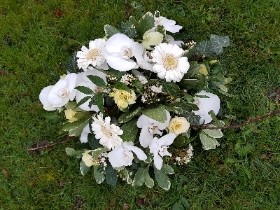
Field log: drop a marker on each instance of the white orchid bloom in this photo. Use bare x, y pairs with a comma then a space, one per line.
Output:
168, 25
159, 147
150, 127
55, 96
139, 53
83, 80
119, 51
205, 105
123, 155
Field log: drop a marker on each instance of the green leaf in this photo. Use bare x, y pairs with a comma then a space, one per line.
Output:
97, 81
111, 176
213, 47
114, 73
84, 90
207, 141
83, 168
158, 114
146, 23
130, 131
129, 29
110, 30
97, 152
162, 179
125, 117
70, 151
139, 177
98, 174
203, 48
74, 153
214, 133
181, 141
98, 99
171, 88
121, 86
83, 100
76, 128
167, 169
149, 182
93, 142
217, 43
52, 116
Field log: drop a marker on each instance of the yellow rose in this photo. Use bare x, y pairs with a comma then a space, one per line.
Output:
123, 98
70, 115
178, 125
203, 69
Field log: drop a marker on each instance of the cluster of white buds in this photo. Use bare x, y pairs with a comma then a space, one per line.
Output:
185, 156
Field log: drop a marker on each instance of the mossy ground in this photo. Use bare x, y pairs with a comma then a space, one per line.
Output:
36, 39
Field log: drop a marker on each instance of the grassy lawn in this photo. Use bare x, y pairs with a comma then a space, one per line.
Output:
36, 39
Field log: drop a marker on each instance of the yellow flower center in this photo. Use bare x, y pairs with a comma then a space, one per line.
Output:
93, 54
106, 132
170, 62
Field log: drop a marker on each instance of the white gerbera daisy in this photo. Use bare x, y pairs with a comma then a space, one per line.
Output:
169, 63
108, 134
92, 56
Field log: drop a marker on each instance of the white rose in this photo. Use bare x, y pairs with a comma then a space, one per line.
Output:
55, 96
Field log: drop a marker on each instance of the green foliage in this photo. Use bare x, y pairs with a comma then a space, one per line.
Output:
73, 153
162, 179
213, 47
127, 116
99, 174
145, 23
84, 90
130, 131
208, 142
97, 81
83, 168
158, 113
110, 30
76, 128
111, 176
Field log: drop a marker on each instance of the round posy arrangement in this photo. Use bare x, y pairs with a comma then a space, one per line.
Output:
137, 99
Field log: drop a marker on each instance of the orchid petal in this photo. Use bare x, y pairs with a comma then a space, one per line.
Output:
158, 161
145, 137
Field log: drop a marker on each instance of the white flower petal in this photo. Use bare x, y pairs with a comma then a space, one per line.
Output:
116, 157
43, 97
158, 161
205, 105
139, 153
121, 64
145, 137
84, 134
167, 139
116, 42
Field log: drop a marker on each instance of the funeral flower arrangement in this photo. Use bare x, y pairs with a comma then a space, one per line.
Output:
137, 98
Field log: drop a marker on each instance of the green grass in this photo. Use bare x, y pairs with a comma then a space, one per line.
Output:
243, 173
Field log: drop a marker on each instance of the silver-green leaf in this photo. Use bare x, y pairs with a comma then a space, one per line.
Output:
207, 141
